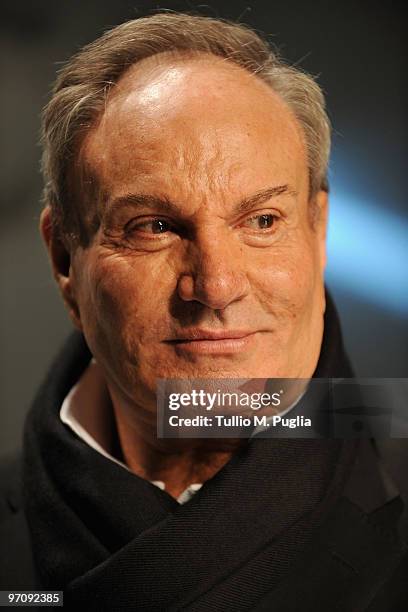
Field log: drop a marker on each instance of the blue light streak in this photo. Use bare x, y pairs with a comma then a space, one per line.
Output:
368, 251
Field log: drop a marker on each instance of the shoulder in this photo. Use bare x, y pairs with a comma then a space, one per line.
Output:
10, 484
393, 454
17, 570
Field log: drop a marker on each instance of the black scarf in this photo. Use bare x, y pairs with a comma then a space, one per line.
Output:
111, 540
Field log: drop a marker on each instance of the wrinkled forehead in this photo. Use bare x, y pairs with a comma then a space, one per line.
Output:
171, 122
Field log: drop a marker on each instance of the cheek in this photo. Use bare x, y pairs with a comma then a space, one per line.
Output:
286, 279
124, 300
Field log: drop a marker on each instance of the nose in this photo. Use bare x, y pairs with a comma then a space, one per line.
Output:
215, 276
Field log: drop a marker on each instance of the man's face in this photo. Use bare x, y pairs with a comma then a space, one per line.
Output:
204, 230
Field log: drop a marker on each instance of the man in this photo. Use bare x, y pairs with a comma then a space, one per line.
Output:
185, 218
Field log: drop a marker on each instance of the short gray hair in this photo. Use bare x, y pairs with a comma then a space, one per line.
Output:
80, 91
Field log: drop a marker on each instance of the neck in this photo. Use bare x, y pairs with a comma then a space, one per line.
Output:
177, 462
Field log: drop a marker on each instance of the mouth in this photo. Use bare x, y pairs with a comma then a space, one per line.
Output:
213, 342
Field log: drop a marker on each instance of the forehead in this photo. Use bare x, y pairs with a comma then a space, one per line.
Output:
171, 123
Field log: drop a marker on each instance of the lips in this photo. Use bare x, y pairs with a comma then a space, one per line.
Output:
210, 335
222, 342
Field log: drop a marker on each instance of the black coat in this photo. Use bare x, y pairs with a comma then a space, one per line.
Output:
362, 557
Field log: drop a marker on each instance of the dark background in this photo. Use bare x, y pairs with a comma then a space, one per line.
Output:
358, 52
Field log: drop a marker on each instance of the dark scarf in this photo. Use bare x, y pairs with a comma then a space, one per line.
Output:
111, 540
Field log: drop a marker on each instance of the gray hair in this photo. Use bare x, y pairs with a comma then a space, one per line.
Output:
80, 91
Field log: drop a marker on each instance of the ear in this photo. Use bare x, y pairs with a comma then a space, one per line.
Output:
60, 257
321, 223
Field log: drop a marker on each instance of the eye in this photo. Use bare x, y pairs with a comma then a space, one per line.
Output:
261, 222
150, 226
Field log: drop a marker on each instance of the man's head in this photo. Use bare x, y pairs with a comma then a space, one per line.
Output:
187, 198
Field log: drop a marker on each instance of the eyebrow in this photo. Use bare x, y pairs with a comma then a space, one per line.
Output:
263, 196
164, 204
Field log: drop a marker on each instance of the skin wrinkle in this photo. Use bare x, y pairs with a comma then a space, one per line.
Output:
200, 145
162, 203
